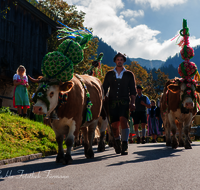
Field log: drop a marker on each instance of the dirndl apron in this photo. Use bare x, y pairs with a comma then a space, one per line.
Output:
20, 96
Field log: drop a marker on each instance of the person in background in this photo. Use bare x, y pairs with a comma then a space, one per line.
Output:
153, 121
121, 97
159, 116
139, 115
20, 96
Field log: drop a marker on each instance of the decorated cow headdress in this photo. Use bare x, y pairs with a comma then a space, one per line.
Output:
187, 69
58, 66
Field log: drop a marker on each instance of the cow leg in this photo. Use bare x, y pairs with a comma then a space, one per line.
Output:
101, 146
69, 142
173, 129
186, 131
91, 130
85, 136
167, 132
181, 142
60, 156
174, 139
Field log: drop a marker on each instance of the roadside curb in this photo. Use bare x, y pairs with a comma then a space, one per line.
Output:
21, 159
29, 157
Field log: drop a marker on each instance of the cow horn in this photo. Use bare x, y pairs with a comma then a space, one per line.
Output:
34, 80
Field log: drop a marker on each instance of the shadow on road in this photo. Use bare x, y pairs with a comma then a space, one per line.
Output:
30, 169
150, 155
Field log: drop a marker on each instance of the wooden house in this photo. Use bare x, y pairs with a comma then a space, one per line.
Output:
23, 41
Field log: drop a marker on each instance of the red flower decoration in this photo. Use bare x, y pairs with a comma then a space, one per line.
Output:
189, 79
189, 85
188, 92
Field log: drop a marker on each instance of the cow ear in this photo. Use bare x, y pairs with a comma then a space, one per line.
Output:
198, 88
66, 86
174, 88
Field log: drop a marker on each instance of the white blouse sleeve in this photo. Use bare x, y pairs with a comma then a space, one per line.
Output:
15, 77
26, 78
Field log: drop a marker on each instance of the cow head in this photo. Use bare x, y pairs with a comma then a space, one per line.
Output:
187, 89
47, 95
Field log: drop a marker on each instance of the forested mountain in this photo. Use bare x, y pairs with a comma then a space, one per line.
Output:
150, 64
109, 54
176, 60
169, 67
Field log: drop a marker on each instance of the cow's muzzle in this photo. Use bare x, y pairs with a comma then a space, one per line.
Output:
38, 110
189, 105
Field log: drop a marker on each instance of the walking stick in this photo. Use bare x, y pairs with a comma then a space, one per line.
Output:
114, 141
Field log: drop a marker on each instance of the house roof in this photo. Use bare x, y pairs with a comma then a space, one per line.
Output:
37, 13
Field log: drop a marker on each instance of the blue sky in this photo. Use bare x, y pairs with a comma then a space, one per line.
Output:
141, 28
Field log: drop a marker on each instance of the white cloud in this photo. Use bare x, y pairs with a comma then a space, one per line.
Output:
156, 4
131, 13
139, 41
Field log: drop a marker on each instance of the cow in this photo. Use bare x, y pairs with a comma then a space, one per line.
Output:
72, 112
178, 107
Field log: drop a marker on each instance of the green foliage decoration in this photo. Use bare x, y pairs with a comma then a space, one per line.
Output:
56, 65
72, 50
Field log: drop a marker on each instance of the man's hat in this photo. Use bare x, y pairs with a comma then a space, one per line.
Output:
139, 86
120, 55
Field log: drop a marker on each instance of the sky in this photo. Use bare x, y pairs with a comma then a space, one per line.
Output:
142, 28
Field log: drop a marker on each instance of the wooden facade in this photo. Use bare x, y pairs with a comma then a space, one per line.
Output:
23, 40
23, 37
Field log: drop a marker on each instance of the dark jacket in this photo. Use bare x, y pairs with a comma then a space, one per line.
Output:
119, 88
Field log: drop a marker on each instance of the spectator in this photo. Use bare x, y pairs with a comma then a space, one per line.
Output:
20, 97
159, 116
139, 115
153, 121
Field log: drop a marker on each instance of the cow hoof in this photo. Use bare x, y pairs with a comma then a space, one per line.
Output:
181, 143
60, 158
101, 147
110, 144
174, 145
168, 143
86, 150
77, 143
90, 154
68, 159
187, 145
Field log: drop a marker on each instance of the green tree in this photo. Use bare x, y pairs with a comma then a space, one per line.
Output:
140, 73
154, 87
59, 10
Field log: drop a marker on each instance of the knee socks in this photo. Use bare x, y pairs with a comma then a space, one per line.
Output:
143, 132
137, 133
125, 134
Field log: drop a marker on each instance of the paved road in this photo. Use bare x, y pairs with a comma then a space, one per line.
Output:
147, 167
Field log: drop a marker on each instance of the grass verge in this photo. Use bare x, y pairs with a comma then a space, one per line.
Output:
20, 137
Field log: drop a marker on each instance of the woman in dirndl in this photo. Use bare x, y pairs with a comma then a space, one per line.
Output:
153, 122
20, 96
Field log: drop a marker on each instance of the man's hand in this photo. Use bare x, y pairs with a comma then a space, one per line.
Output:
143, 103
132, 107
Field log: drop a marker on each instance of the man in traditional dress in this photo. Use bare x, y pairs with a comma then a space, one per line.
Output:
139, 115
122, 95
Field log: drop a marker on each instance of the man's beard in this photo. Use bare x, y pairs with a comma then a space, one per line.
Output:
119, 65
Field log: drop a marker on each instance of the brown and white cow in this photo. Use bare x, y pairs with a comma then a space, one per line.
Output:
178, 107
72, 114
